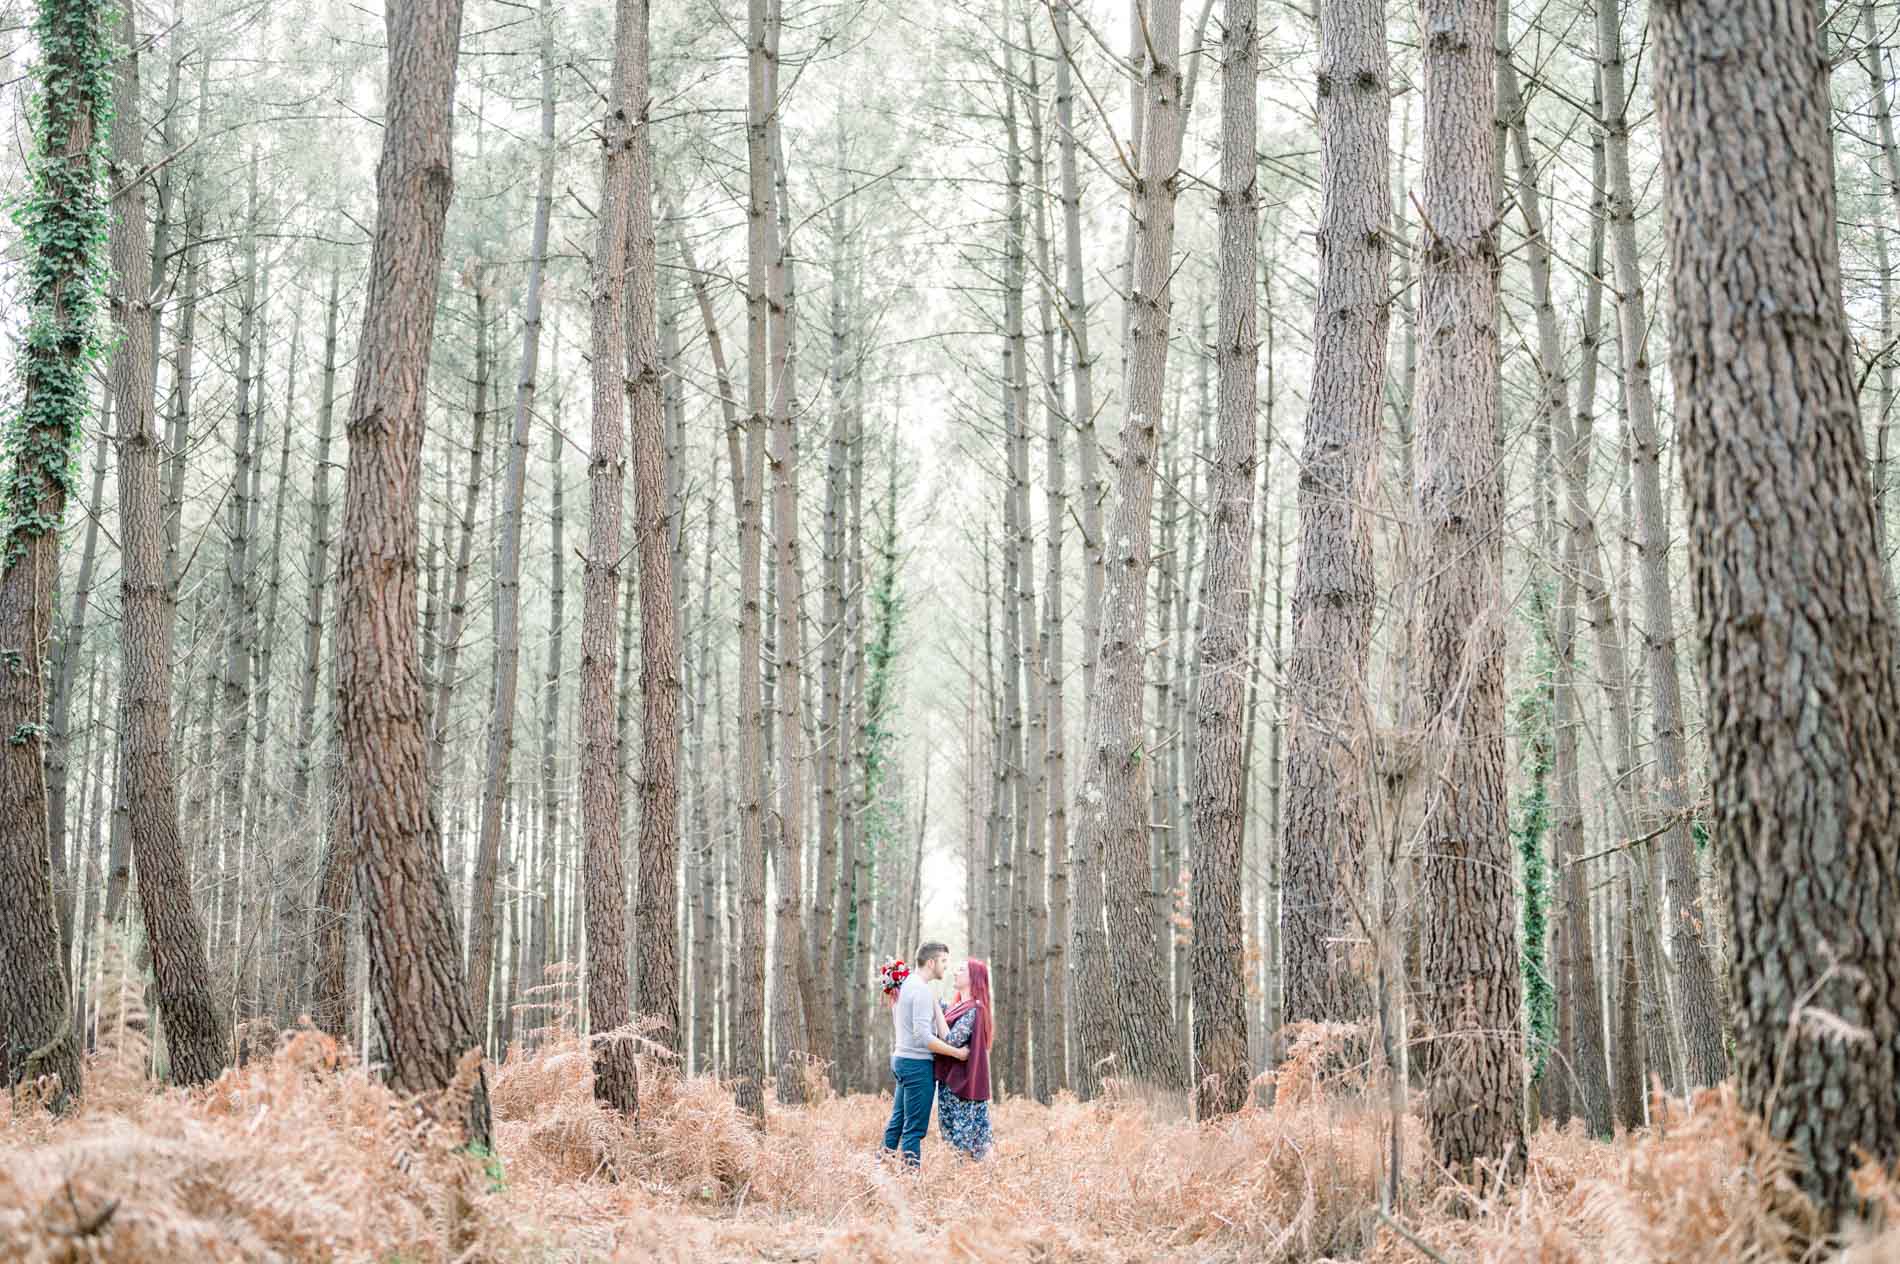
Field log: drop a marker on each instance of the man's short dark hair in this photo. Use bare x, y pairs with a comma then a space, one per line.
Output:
930, 951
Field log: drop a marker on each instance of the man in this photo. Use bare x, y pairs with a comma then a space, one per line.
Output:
918, 1021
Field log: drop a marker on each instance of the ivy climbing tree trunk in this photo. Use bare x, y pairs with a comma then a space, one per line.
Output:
415, 965
1798, 635
64, 222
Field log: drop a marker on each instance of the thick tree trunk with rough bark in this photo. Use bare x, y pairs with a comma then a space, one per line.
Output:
657, 990
195, 1034
68, 206
616, 1074
1787, 576
1323, 812
1470, 988
1113, 799
415, 967
1221, 1072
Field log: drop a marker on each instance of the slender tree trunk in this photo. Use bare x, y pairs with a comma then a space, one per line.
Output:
1113, 814
195, 1036
830, 928
1471, 969
1798, 638
545, 948
1323, 819
240, 628
1094, 1031
449, 655
1581, 1014
1220, 790
499, 755
1697, 1011
748, 1067
1050, 1022
65, 671
415, 970
317, 575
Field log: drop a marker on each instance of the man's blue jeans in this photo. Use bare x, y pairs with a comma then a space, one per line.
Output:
915, 1094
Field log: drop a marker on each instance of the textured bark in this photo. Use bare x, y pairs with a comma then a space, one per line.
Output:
1470, 961
1787, 577
1113, 799
543, 947
36, 1034
1629, 1020
1580, 1011
1094, 1036
456, 585
1221, 1071
1697, 1003
316, 575
1018, 616
748, 475
195, 1036
830, 928
804, 1001
616, 1074
1031, 1004
657, 988
415, 968
498, 759
1323, 821
1050, 1021
60, 690
240, 602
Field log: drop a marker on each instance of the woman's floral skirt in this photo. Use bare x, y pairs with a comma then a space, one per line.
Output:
966, 1125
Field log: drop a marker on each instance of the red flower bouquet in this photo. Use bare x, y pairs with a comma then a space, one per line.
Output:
891, 975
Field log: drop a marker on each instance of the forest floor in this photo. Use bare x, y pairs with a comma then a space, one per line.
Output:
304, 1157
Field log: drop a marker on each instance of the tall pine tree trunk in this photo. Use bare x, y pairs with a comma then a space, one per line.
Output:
1113, 799
1471, 970
657, 989
499, 756
415, 968
1787, 575
195, 1036
64, 221
1323, 814
1220, 790
616, 1074
1697, 1008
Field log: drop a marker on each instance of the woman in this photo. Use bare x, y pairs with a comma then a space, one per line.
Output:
963, 1088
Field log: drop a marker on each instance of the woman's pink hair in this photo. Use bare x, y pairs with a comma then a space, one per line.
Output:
980, 993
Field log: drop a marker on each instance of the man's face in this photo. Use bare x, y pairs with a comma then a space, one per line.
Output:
933, 968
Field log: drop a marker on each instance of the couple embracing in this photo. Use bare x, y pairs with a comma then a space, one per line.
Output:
939, 1056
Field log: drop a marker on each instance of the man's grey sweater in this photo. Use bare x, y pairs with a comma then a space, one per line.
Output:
915, 1017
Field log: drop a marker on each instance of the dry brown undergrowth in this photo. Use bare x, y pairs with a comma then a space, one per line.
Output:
304, 1157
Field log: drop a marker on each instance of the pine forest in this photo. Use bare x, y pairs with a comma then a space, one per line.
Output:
862, 630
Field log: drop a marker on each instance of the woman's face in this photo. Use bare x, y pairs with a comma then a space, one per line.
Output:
962, 978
